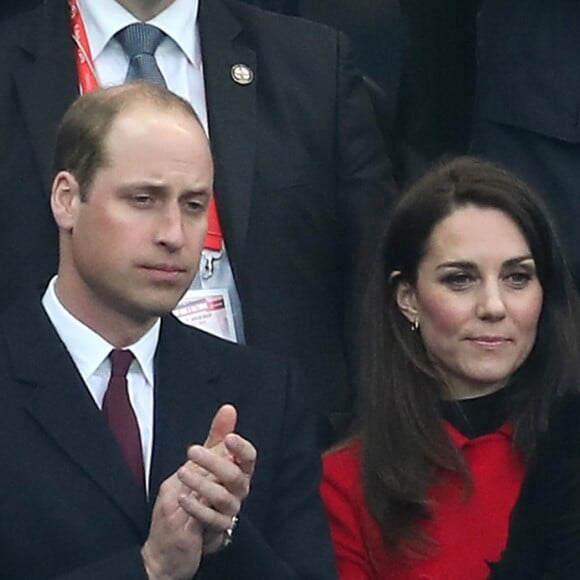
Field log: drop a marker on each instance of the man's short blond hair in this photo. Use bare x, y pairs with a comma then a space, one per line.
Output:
80, 140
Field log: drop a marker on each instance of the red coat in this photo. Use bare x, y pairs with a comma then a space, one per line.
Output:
468, 533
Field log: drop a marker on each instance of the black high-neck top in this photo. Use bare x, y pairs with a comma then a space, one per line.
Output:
478, 416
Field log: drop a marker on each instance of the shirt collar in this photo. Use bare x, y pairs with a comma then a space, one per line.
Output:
104, 18
87, 348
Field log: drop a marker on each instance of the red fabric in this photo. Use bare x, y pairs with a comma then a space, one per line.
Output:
84, 61
468, 533
214, 239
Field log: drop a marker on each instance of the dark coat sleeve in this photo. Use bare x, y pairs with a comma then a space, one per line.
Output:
544, 536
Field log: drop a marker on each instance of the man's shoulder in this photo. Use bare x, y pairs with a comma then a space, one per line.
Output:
27, 337
24, 311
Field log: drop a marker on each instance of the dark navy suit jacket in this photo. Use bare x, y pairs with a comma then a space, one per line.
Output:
69, 506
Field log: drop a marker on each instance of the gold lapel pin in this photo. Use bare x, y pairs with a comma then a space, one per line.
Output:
242, 74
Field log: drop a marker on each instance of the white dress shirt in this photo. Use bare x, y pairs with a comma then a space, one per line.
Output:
90, 354
178, 54
179, 58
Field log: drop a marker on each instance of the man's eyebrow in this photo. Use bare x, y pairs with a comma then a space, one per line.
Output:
159, 188
202, 192
142, 186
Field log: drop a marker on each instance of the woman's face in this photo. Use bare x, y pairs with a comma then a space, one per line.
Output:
477, 299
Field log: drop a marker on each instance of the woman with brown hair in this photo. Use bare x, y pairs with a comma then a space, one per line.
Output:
469, 336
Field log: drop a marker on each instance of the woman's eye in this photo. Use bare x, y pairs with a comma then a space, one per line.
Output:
458, 281
519, 279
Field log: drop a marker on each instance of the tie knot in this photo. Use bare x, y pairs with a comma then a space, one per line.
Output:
120, 362
140, 38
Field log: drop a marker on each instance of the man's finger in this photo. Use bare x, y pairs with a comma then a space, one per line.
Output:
224, 422
225, 471
243, 452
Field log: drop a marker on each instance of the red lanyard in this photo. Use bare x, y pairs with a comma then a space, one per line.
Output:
88, 82
85, 69
214, 239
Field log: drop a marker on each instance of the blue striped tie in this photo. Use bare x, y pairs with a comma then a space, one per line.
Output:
140, 41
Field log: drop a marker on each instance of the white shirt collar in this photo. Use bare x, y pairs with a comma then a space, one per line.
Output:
87, 348
104, 18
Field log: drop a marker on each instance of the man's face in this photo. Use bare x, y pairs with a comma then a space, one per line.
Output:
135, 243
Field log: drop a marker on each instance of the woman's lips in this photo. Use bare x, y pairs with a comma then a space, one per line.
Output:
490, 341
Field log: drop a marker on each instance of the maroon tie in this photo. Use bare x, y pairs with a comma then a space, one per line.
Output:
120, 415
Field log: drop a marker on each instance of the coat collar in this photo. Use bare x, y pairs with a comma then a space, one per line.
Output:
461, 441
56, 398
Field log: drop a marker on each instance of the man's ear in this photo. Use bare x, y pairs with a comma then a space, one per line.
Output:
406, 297
65, 200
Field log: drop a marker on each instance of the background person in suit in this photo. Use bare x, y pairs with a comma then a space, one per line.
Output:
437, 87
498, 78
301, 171
527, 99
78, 500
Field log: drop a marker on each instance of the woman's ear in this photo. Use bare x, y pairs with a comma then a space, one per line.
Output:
406, 297
65, 199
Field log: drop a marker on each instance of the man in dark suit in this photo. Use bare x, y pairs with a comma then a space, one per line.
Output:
130, 199
301, 172
435, 101
527, 102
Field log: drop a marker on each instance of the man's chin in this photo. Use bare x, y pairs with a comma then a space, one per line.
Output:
145, 312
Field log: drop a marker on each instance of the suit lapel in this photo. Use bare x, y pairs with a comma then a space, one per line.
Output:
58, 400
46, 79
232, 119
188, 391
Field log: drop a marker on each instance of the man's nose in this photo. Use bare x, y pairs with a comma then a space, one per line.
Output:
170, 227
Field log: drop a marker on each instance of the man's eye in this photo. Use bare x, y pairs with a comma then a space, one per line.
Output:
142, 199
194, 206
